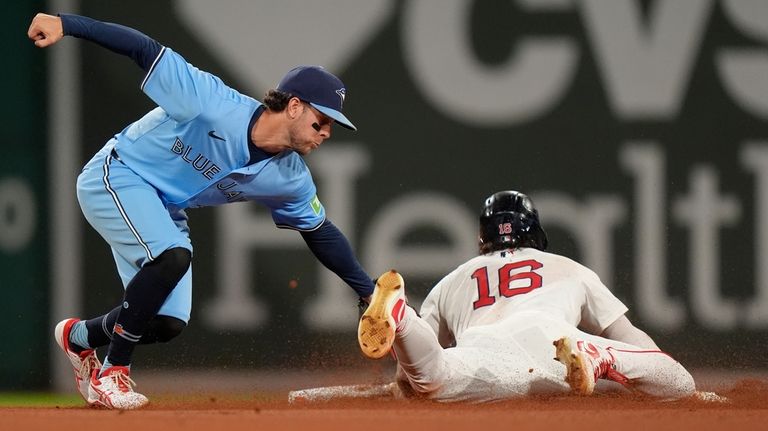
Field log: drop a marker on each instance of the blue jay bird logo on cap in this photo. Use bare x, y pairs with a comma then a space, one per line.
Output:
342, 92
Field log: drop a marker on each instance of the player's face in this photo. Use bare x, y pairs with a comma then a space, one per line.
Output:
311, 128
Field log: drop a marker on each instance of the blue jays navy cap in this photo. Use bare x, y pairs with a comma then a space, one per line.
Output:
319, 88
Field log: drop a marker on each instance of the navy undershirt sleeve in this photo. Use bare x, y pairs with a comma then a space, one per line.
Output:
332, 249
115, 37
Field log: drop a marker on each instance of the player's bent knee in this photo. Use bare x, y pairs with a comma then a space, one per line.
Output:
165, 328
177, 258
173, 262
685, 383
671, 381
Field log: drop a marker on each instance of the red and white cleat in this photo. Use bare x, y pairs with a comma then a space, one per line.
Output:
585, 364
376, 330
83, 363
114, 390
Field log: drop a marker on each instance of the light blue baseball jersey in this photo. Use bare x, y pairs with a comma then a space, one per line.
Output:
193, 148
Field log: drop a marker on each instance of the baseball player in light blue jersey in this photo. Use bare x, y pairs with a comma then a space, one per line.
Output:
205, 144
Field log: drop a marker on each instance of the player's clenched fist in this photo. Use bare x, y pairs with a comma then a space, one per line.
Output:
45, 30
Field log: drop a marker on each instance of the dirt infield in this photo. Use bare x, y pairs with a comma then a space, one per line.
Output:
747, 410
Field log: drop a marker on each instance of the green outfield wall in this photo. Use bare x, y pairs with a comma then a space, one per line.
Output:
24, 213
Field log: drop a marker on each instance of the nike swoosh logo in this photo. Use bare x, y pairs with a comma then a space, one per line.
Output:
213, 135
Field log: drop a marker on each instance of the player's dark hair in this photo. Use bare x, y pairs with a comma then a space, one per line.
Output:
276, 100
509, 220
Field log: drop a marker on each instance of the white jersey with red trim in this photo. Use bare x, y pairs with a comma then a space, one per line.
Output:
491, 288
501, 313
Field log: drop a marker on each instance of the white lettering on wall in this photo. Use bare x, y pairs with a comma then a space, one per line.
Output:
645, 162
705, 213
241, 229
754, 156
591, 221
437, 50
646, 65
744, 71
384, 248
337, 168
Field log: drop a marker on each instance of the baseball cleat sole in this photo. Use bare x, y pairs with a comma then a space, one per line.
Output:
376, 331
577, 372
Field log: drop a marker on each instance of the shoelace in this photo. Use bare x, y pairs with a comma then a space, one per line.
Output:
123, 382
602, 366
89, 363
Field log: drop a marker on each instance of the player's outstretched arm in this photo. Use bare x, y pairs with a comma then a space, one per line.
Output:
45, 30
332, 249
623, 330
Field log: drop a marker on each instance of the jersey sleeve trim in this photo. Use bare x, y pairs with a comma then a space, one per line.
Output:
152, 68
312, 229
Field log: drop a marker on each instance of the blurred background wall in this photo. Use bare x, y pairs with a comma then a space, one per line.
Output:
638, 127
24, 212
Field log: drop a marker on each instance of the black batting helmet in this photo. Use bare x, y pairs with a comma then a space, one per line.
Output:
509, 220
